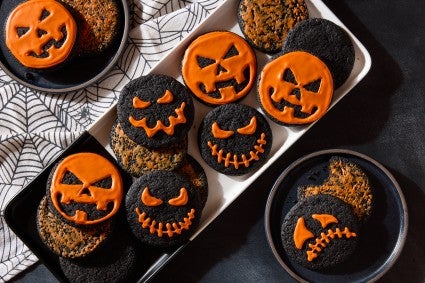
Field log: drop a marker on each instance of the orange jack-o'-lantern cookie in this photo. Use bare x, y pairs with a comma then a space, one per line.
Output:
163, 208
85, 189
295, 88
219, 68
40, 33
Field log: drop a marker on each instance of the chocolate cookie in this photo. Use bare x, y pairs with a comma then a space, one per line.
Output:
348, 182
163, 208
320, 232
265, 24
295, 88
84, 189
138, 160
234, 139
155, 111
327, 41
66, 240
219, 67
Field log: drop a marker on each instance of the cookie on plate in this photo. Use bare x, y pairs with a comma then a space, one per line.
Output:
116, 261
295, 88
155, 111
66, 240
348, 182
163, 208
85, 189
320, 232
41, 34
234, 139
137, 160
327, 41
266, 23
219, 67
98, 22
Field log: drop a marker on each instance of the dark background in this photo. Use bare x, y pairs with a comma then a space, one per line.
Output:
382, 117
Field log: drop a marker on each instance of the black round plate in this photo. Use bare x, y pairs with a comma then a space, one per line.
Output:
382, 237
79, 73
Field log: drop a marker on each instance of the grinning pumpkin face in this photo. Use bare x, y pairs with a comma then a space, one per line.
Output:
219, 68
163, 208
40, 33
234, 139
295, 88
320, 232
155, 110
86, 188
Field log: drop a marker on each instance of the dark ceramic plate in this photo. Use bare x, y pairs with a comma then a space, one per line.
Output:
383, 236
78, 73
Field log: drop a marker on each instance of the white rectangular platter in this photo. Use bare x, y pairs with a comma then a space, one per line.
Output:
223, 190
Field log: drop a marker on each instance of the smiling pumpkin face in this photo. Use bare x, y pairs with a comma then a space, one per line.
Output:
219, 68
155, 111
234, 139
163, 208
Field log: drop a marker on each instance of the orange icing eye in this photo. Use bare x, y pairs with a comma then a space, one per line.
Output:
250, 128
140, 104
166, 98
181, 199
301, 233
149, 200
325, 219
218, 133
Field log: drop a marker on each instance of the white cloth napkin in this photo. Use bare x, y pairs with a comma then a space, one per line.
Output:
36, 127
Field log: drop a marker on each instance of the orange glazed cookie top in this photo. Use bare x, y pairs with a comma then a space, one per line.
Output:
40, 33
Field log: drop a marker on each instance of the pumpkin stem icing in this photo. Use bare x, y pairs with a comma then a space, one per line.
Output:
170, 228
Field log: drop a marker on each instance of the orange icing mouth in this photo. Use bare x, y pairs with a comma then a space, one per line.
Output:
170, 228
235, 160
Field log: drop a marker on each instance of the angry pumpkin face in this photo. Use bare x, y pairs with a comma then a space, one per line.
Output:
163, 208
219, 67
234, 139
155, 110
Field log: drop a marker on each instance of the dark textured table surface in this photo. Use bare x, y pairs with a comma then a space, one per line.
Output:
382, 117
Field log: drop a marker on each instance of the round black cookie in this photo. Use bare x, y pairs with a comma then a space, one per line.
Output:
265, 24
193, 171
155, 110
320, 232
234, 139
327, 41
137, 160
68, 241
163, 208
116, 261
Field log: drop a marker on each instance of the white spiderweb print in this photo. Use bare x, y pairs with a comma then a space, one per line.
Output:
36, 127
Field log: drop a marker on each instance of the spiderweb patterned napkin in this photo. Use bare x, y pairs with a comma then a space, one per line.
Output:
36, 127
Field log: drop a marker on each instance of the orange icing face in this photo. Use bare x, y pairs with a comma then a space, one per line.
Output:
216, 59
157, 227
295, 88
31, 29
87, 170
302, 234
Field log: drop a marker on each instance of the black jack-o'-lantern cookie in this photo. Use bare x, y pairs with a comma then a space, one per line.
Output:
155, 111
137, 160
266, 23
234, 139
219, 67
320, 232
295, 88
85, 189
163, 208
327, 41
